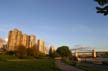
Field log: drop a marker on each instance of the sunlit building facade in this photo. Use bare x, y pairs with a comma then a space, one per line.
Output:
40, 46
25, 40
16, 38
32, 41
1, 43
52, 48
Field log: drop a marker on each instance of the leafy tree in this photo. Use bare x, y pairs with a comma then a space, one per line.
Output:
30, 52
64, 51
35, 51
103, 9
21, 51
41, 54
36, 54
56, 54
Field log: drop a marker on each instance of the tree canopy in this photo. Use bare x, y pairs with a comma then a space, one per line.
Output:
103, 8
64, 51
21, 51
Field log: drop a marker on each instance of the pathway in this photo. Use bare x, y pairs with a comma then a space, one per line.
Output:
65, 67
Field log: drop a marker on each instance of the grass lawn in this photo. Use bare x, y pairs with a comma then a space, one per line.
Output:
9, 57
30, 65
5, 57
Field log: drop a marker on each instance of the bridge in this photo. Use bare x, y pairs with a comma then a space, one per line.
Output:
86, 53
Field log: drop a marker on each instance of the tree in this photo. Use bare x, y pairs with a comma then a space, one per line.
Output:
30, 51
64, 51
55, 54
103, 9
35, 51
21, 51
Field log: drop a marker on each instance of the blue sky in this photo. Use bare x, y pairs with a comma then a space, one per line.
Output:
57, 22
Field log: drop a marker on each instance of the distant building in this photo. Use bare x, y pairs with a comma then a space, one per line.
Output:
40, 46
52, 48
16, 38
46, 50
32, 41
94, 53
25, 40
1, 43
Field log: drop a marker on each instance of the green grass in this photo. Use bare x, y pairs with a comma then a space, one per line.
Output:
31, 65
8, 57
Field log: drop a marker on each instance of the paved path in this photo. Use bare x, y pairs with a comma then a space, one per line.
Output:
65, 67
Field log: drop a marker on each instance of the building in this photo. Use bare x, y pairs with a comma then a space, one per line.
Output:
25, 40
16, 38
46, 50
40, 45
32, 41
1, 43
28, 40
52, 48
94, 53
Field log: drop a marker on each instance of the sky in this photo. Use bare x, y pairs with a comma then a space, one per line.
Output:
57, 22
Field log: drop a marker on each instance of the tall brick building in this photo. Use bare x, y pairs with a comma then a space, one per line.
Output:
16, 38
